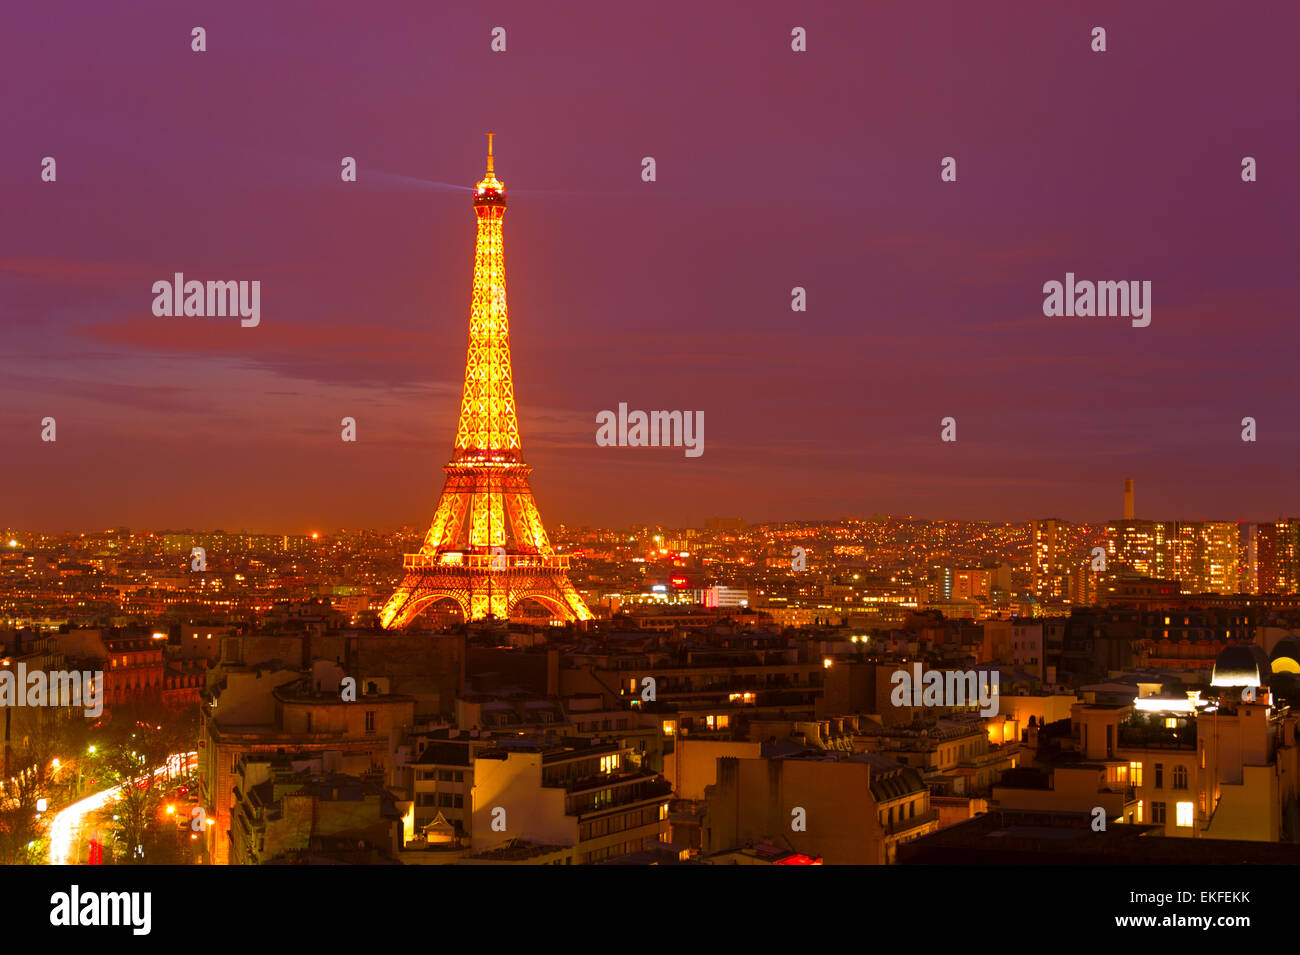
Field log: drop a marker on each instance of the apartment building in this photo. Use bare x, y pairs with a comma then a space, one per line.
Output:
575, 800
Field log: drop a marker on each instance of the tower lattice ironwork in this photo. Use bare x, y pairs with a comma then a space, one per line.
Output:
486, 548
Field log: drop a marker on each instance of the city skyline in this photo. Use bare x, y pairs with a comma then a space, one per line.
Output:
924, 297
867, 440
420, 528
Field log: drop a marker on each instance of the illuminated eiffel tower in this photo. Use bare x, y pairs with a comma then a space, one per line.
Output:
486, 548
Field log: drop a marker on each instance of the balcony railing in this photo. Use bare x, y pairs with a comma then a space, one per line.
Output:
497, 563
1142, 737
594, 781
639, 791
1128, 792
903, 825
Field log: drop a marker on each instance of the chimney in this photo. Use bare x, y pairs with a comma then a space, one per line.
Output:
1128, 499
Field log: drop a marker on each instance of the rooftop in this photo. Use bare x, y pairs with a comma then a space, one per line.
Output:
1011, 837
516, 850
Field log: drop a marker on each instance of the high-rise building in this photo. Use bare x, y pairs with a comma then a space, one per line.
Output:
1050, 561
486, 549
1205, 557
1081, 585
1201, 555
1276, 547
969, 583
1136, 546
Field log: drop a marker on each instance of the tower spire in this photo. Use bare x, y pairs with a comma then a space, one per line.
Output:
490, 188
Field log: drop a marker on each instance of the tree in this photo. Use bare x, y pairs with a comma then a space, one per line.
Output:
22, 831
139, 797
139, 740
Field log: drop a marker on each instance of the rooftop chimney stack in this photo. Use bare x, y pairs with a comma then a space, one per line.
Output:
1128, 499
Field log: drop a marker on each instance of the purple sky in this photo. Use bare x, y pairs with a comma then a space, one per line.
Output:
775, 169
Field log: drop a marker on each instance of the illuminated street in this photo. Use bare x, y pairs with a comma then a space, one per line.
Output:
68, 825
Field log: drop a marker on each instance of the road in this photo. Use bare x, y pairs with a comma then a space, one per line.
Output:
66, 829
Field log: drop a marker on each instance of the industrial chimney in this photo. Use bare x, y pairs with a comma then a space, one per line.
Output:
1128, 499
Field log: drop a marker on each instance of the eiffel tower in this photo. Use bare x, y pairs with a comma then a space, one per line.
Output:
486, 548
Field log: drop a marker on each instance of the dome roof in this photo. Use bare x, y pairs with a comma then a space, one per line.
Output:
1285, 657
1241, 664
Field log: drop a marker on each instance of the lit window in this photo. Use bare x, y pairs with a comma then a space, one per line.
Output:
1185, 814
1135, 772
